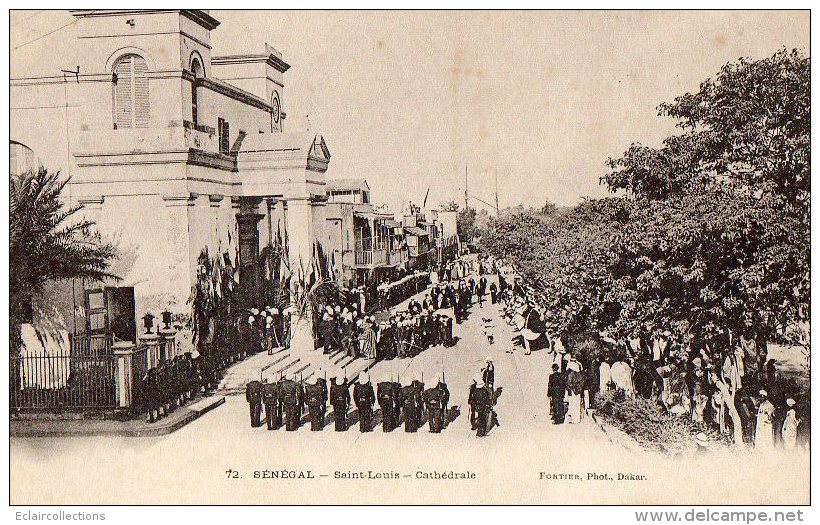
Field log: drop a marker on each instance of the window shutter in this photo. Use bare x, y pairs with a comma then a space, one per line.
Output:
123, 101
141, 102
131, 102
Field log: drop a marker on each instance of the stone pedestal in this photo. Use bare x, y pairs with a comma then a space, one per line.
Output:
153, 356
124, 374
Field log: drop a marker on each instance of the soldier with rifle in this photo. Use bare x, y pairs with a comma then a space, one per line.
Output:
418, 384
436, 399
388, 400
293, 397
340, 399
410, 406
364, 398
316, 395
253, 395
270, 398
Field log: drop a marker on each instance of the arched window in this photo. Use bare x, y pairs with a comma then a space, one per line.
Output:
198, 72
131, 104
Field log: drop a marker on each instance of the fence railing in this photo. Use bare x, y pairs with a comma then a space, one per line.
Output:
371, 257
85, 375
62, 380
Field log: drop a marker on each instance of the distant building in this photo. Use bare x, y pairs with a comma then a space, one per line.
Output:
367, 242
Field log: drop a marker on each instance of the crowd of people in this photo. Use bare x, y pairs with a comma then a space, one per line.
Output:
715, 385
426, 322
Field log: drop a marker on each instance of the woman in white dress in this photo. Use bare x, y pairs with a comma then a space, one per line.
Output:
764, 432
790, 426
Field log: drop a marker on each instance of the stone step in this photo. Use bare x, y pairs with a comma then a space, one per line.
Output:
302, 369
282, 357
289, 365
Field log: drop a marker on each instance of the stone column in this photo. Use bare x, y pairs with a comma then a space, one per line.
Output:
124, 374
300, 250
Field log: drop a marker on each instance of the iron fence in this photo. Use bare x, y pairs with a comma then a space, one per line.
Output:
62, 381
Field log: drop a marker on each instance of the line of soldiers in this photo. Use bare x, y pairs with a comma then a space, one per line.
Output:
285, 401
170, 385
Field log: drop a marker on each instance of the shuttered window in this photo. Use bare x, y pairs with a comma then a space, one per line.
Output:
131, 103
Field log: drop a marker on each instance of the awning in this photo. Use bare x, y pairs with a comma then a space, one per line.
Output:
392, 224
413, 230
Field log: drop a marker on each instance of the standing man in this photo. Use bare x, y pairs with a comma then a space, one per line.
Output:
253, 395
436, 399
292, 399
555, 392
488, 374
316, 395
481, 290
493, 293
409, 404
270, 400
387, 403
483, 401
764, 432
340, 399
364, 398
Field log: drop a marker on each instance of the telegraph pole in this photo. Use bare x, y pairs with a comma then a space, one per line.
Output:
466, 204
496, 193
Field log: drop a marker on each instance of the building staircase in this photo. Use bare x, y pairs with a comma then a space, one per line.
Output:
269, 367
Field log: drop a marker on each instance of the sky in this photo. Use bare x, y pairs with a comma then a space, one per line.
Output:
537, 99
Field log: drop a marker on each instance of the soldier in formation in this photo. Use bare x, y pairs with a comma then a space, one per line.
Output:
365, 398
436, 399
388, 394
270, 399
340, 399
168, 386
293, 400
253, 395
317, 395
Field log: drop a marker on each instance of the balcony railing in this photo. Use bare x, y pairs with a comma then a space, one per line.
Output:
371, 258
395, 257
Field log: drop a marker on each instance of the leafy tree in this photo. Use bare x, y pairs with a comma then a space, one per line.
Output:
450, 206
726, 204
711, 236
466, 224
47, 241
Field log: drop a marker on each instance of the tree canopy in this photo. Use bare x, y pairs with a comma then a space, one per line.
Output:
705, 236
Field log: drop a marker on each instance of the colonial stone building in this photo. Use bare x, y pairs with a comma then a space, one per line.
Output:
172, 148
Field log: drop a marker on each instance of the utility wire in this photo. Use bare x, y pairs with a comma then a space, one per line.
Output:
45, 35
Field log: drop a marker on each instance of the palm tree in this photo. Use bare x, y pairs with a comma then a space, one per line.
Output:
47, 241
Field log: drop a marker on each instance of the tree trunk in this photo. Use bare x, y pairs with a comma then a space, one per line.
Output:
729, 393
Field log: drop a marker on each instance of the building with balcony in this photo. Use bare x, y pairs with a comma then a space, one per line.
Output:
172, 149
367, 241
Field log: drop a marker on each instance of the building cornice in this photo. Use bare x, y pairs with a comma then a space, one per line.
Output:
272, 60
196, 15
233, 92
191, 156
